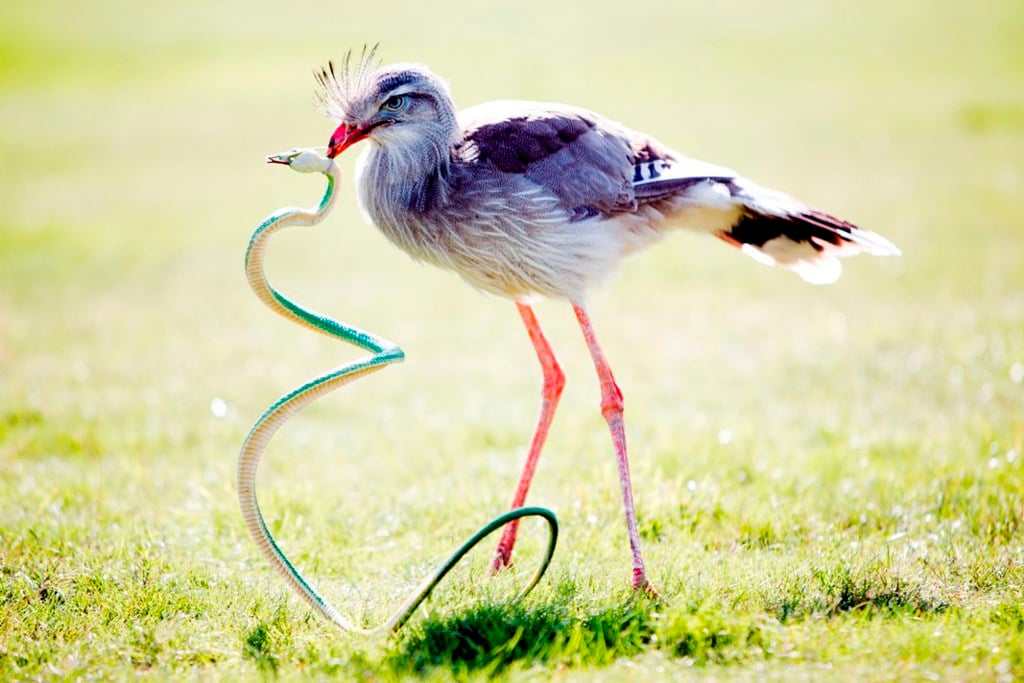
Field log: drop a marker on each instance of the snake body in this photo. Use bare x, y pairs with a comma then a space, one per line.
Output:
383, 353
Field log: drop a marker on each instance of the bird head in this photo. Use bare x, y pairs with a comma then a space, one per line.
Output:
396, 106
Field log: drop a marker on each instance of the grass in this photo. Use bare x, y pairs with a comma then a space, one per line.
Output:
829, 480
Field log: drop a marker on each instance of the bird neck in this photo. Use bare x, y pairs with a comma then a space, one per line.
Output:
413, 177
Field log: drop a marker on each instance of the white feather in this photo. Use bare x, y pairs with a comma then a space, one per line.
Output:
822, 271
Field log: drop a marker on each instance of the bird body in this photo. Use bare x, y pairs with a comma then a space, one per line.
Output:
525, 198
534, 198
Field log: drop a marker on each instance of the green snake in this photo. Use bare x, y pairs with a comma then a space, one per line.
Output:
384, 353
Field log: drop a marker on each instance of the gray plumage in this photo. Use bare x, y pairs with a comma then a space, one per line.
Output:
524, 198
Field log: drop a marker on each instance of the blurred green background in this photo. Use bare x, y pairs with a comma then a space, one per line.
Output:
132, 138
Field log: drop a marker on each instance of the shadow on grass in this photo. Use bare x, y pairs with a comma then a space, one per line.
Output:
257, 648
492, 639
841, 590
495, 638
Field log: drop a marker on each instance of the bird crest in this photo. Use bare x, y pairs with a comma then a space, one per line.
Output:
339, 85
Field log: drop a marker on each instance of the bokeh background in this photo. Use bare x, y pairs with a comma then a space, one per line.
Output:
133, 357
133, 140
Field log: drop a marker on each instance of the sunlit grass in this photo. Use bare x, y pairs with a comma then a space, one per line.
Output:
829, 480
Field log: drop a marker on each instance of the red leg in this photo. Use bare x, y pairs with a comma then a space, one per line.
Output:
554, 381
611, 408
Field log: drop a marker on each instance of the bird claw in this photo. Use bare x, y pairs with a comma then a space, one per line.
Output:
500, 562
647, 590
643, 587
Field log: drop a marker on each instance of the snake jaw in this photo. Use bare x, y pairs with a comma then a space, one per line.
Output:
284, 158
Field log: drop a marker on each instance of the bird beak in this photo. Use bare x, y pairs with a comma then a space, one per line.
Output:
345, 136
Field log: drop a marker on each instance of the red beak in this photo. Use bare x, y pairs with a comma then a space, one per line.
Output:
345, 136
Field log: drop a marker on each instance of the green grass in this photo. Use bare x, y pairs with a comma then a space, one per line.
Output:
830, 481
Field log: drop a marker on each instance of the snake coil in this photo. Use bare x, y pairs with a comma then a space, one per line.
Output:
384, 353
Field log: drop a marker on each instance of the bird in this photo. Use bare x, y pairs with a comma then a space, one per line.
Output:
529, 200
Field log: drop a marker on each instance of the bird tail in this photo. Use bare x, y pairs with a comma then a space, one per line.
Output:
775, 229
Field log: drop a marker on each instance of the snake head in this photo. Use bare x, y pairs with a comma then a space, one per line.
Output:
302, 160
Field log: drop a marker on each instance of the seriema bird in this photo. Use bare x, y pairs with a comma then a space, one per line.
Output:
525, 199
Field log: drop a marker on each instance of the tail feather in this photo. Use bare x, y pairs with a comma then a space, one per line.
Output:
777, 230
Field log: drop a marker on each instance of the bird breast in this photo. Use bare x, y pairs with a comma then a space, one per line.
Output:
502, 233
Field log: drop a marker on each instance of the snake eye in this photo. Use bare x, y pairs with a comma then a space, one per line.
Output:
395, 104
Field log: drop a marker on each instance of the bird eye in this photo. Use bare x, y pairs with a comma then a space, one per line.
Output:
395, 104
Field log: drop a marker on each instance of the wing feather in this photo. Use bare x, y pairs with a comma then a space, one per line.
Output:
593, 166
597, 169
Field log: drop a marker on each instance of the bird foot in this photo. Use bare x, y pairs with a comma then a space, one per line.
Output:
643, 587
502, 560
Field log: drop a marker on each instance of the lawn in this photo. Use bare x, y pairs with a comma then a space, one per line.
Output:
829, 480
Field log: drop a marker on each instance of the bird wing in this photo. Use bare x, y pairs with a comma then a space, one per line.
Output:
590, 164
597, 168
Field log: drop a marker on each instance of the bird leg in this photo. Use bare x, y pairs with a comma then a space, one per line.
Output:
554, 382
611, 408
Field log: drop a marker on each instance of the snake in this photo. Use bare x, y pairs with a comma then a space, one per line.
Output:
383, 353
